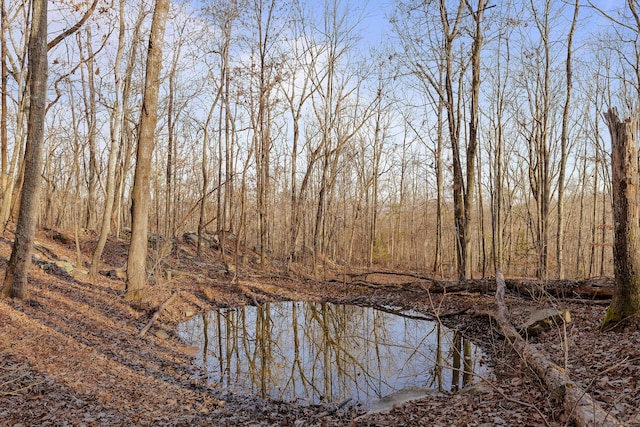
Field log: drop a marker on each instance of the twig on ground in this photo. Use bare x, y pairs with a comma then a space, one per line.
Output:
331, 411
156, 315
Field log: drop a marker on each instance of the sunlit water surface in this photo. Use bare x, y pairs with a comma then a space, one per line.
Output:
322, 352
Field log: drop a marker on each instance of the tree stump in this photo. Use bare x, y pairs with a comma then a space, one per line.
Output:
625, 304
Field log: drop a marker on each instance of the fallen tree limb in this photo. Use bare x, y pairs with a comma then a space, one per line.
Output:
156, 315
249, 291
390, 273
332, 410
595, 288
580, 406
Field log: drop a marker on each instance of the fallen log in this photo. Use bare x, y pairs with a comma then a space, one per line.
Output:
332, 410
420, 284
579, 405
543, 320
595, 288
156, 315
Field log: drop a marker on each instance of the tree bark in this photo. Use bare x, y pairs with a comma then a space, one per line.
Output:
90, 115
15, 281
3, 101
137, 259
625, 304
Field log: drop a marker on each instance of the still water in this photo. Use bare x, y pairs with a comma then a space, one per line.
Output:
322, 352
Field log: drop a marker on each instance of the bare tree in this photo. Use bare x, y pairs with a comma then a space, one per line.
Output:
453, 110
175, 107
127, 131
437, 66
115, 125
20, 75
564, 146
137, 257
223, 16
536, 128
267, 74
297, 90
15, 281
90, 113
498, 119
472, 144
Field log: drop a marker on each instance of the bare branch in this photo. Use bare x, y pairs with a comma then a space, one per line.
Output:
69, 31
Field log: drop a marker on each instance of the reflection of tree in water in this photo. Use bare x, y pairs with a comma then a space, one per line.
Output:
463, 361
322, 351
341, 358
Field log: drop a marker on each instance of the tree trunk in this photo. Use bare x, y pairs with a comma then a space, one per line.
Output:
126, 132
137, 259
168, 229
89, 98
229, 138
472, 146
15, 281
625, 304
482, 238
563, 149
116, 127
205, 178
594, 217
453, 120
437, 253
3, 101
580, 257
15, 168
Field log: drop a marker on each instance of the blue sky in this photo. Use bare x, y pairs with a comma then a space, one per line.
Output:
375, 26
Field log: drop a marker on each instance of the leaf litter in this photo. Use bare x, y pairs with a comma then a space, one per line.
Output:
70, 355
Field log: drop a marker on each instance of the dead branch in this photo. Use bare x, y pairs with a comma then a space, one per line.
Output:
156, 315
581, 407
596, 288
332, 411
592, 289
391, 273
69, 31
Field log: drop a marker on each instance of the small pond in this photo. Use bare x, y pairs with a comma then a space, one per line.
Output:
322, 352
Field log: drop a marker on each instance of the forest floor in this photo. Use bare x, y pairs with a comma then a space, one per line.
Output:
71, 355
